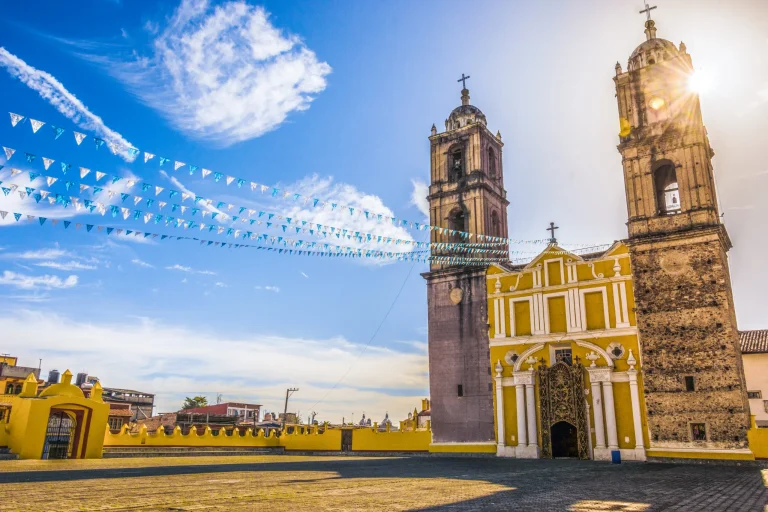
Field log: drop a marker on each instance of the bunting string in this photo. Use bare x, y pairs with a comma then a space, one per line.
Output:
272, 191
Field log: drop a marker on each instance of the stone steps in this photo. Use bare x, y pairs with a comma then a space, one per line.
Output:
5, 454
114, 452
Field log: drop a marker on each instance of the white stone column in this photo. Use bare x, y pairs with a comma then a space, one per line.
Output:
530, 399
501, 440
610, 416
597, 408
634, 395
522, 438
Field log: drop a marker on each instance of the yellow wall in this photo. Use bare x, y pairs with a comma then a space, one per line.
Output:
758, 441
371, 440
522, 318
557, 320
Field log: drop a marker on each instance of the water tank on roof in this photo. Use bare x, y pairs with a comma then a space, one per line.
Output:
81, 379
53, 377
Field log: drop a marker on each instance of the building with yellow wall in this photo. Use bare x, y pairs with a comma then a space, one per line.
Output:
565, 354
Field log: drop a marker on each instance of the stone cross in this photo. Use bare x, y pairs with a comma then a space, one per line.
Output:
552, 229
647, 10
463, 81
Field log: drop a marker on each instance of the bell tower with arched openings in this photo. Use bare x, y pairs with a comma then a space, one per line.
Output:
692, 368
466, 194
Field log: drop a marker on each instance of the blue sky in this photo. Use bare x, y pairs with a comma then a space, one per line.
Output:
333, 100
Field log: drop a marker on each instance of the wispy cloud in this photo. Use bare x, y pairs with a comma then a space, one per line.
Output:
305, 275
40, 254
66, 265
224, 73
54, 92
45, 282
141, 263
220, 284
275, 289
419, 197
182, 268
132, 358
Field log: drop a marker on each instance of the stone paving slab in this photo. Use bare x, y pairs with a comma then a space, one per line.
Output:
352, 483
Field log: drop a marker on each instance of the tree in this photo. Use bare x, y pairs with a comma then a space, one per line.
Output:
191, 403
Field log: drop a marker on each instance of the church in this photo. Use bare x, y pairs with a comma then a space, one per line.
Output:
632, 351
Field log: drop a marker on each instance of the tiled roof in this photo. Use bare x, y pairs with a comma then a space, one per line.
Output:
754, 342
123, 413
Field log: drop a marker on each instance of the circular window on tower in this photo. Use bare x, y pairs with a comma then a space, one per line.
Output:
616, 350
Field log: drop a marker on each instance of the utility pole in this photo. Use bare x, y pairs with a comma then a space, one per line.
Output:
288, 393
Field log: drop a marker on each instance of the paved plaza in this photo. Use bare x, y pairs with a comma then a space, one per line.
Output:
368, 483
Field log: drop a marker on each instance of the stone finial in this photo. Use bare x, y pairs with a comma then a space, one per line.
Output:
650, 30
616, 267
498, 134
683, 48
465, 96
498, 285
593, 356
434, 129
29, 387
498, 369
618, 68
96, 392
530, 362
66, 377
631, 361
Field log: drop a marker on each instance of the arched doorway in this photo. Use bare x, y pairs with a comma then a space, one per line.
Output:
60, 435
565, 441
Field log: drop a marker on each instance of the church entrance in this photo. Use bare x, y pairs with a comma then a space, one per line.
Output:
564, 427
59, 436
565, 442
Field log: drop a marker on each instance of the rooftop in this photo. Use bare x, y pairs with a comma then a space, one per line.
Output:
754, 342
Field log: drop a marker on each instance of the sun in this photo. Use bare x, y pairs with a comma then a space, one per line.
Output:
700, 82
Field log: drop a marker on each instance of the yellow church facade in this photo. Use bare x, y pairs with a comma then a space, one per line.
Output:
565, 355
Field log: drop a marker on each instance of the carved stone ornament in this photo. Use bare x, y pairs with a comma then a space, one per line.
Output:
616, 350
456, 295
674, 263
593, 356
511, 357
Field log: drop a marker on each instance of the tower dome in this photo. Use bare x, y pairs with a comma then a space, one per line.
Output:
653, 50
465, 114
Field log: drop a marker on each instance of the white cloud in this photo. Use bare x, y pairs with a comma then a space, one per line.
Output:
224, 73
127, 355
59, 97
305, 275
141, 263
275, 289
40, 254
66, 265
419, 197
45, 282
220, 284
182, 268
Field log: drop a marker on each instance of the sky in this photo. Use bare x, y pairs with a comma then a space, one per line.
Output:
330, 100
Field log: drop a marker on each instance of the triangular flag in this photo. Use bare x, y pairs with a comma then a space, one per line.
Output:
51, 180
83, 188
177, 165
54, 221
35, 124
17, 216
8, 152
230, 179
99, 142
158, 190
47, 162
33, 176
42, 220
67, 223
163, 160
3, 214
57, 132
15, 119
14, 172
100, 175
79, 137
148, 157
65, 167
30, 157
113, 147
84, 172
205, 172
88, 227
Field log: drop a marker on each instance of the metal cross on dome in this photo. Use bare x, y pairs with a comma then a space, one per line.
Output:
647, 10
463, 81
552, 229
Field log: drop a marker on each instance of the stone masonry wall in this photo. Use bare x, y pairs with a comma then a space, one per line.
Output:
687, 325
459, 355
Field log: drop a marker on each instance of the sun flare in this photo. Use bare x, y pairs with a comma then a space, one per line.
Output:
700, 82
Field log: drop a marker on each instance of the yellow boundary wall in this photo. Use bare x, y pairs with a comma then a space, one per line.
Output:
301, 439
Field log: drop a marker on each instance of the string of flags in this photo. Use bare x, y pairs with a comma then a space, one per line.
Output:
116, 148
304, 251
206, 203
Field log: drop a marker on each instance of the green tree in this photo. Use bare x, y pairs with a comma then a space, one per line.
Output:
191, 403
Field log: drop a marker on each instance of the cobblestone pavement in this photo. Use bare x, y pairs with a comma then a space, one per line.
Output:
355, 483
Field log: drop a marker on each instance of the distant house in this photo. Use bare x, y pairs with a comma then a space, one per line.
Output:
12, 376
245, 414
754, 354
141, 403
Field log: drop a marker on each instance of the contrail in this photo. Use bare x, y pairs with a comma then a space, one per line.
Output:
65, 102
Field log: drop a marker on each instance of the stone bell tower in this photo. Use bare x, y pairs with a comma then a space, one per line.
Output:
466, 195
692, 371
